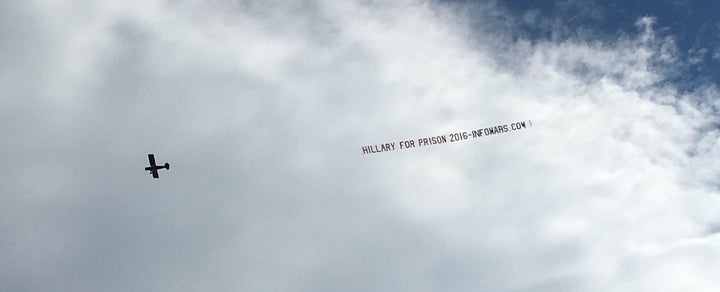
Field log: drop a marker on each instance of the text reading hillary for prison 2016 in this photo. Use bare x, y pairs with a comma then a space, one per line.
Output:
446, 138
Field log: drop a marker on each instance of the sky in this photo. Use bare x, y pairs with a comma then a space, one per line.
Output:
262, 109
693, 26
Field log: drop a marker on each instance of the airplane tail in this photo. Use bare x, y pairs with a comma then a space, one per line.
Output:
167, 166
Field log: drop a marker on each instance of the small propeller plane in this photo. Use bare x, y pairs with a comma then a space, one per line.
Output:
154, 168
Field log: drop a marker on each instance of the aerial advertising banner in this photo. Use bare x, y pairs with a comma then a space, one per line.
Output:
446, 138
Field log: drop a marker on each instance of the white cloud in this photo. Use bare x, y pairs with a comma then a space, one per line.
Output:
262, 108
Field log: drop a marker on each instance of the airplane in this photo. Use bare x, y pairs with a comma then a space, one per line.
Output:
154, 168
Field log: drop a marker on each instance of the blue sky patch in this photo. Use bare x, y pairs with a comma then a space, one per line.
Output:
694, 25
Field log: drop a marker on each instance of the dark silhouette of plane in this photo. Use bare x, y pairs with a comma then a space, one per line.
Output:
154, 168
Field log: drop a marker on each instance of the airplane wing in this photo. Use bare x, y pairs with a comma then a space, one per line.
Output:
153, 167
151, 157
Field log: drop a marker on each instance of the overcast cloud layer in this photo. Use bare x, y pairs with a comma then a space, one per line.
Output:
261, 108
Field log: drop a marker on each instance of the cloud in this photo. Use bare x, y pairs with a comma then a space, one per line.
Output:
262, 107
